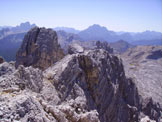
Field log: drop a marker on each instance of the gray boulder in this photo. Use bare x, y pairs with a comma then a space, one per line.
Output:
75, 48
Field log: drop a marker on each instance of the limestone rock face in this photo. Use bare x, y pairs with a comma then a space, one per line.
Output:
40, 49
90, 86
1, 60
96, 81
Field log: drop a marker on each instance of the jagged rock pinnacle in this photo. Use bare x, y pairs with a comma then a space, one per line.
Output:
39, 49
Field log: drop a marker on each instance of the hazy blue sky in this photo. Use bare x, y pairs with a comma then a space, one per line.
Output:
117, 15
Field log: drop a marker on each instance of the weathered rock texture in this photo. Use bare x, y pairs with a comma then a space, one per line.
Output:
26, 95
1, 60
40, 49
85, 86
96, 80
17, 88
75, 48
144, 65
104, 45
88, 86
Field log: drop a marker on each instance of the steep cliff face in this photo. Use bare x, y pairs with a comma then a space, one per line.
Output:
97, 78
1, 60
40, 49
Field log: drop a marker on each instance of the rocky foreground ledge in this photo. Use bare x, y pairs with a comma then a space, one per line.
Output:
88, 86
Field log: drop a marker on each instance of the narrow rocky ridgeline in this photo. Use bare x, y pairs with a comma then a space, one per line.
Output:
40, 49
84, 86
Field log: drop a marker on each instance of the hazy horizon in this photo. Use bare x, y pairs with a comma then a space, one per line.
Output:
115, 15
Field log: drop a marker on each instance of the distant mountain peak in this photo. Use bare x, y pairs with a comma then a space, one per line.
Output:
97, 32
97, 26
67, 29
26, 24
23, 27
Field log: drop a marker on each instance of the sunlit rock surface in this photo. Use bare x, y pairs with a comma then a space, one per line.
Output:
84, 86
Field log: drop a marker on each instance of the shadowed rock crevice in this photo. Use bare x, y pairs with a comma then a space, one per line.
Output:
36, 35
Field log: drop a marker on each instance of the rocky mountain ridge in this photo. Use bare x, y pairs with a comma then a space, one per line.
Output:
88, 85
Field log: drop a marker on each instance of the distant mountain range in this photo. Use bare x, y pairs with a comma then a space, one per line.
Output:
97, 32
2, 27
23, 27
102, 33
13, 36
67, 29
121, 46
11, 39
